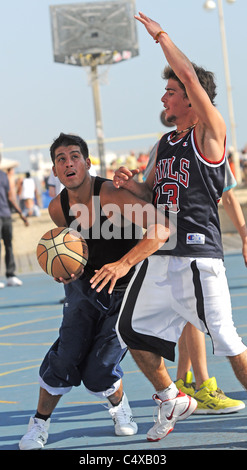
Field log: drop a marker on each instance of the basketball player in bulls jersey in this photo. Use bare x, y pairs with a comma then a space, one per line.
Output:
186, 283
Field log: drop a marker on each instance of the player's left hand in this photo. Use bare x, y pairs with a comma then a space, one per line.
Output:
122, 176
109, 273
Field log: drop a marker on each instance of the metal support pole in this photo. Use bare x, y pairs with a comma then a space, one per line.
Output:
229, 93
98, 120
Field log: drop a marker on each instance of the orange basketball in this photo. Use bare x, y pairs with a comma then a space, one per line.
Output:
62, 252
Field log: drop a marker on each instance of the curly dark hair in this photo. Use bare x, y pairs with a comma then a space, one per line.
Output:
206, 79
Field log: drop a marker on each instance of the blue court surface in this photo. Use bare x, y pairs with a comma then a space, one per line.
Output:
29, 320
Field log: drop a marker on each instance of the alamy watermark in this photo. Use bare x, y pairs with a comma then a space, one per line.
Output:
121, 224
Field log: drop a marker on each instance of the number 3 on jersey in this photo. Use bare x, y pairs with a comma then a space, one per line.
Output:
167, 197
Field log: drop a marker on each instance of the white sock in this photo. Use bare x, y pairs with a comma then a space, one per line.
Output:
168, 393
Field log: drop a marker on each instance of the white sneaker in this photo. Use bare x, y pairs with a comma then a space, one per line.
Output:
2, 285
169, 412
36, 436
122, 417
14, 281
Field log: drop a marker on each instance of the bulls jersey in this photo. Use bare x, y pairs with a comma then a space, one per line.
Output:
188, 184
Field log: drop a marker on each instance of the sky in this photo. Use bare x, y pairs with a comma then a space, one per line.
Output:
40, 98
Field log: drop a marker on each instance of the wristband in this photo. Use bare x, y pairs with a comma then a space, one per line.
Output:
157, 35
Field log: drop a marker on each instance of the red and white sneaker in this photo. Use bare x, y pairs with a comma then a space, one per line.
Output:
169, 412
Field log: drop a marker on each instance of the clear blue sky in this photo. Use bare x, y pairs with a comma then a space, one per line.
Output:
40, 98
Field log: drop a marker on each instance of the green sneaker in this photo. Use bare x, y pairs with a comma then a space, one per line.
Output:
187, 387
212, 400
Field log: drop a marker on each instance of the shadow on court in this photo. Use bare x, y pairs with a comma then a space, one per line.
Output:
30, 317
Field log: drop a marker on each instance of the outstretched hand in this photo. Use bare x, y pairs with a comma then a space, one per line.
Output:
152, 27
109, 273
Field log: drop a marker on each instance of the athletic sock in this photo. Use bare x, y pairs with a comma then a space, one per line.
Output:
40, 416
168, 393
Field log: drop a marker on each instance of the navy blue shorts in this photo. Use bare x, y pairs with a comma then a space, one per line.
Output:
87, 349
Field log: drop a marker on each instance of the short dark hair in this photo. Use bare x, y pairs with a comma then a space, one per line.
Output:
205, 78
66, 140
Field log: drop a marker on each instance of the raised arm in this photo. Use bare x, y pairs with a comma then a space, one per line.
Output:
210, 128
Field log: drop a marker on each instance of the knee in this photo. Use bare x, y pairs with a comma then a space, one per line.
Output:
96, 380
107, 392
101, 378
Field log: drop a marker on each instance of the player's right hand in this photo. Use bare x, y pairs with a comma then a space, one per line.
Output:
122, 176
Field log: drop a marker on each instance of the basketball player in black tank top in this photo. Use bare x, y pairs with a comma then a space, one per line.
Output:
186, 281
88, 349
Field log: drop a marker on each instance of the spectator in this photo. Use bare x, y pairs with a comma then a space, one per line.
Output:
29, 197
6, 200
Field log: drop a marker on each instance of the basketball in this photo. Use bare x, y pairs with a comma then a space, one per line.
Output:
62, 252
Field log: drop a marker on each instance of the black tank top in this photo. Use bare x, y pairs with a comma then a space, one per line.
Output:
103, 246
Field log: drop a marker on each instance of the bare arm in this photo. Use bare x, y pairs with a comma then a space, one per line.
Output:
57, 216
143, 214
151, 242
12, 202
56, 213
234, 211
210, 129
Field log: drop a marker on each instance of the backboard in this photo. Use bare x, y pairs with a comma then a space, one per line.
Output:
99, 32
